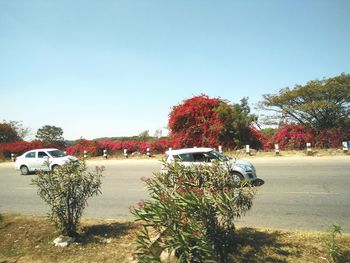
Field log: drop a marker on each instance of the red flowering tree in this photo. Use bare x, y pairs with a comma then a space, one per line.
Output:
204, 121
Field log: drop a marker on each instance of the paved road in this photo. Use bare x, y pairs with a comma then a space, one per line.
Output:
299, 193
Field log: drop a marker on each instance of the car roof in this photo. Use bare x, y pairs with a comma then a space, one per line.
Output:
43, 149
189, 150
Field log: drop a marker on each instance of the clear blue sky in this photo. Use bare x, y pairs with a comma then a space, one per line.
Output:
113, 68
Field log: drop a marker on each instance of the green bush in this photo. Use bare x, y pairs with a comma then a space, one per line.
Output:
191, 212
66, 190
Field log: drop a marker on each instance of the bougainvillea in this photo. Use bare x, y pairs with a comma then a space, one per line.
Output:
295, 137
93, 148
19, 147
288, 136
204, 121
195, 122
160, 146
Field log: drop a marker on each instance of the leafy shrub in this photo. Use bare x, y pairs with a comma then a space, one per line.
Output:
112, 146
66, 191
160, 146
295, 137
192, 212
131, 146
94, 148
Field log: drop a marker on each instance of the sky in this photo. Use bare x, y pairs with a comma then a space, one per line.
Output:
116, 68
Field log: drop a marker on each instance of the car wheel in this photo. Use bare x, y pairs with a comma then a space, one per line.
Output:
55, 167
24, 170
237, 177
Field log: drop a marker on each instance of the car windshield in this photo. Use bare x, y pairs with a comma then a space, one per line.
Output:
219, 156
57, 153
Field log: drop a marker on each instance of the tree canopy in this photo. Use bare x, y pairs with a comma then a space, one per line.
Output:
8, 133
50, 134
204, 121
320, 104
11, 131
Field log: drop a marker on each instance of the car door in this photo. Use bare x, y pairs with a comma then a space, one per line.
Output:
30, 160
42, 161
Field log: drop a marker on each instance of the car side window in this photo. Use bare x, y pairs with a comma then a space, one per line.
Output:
199, 157
42, 154
186, 157
30, 155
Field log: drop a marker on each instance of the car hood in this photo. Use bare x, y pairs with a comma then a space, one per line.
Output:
237, 162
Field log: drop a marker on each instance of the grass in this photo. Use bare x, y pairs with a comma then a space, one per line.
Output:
29, 239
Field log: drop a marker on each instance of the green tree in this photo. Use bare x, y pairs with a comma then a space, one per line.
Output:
22, 131
237, 121
8, 133
50, 134
321, 104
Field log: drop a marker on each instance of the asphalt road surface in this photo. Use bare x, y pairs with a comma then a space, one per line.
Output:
309, 193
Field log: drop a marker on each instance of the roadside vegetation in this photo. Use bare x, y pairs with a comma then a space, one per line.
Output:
66, 190
317, 113
29, 239
191, 214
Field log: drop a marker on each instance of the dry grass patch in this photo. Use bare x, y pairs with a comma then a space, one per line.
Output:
29, 239
263, 245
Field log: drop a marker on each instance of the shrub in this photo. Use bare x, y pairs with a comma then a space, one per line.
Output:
295, 137
191, 212
20, 147
66, 191
160, 146
94, 148
112, 146
131, 146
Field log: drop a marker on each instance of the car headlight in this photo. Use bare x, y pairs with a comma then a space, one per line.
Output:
245, 167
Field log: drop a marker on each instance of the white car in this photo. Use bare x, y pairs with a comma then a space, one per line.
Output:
240, 169
38, 160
